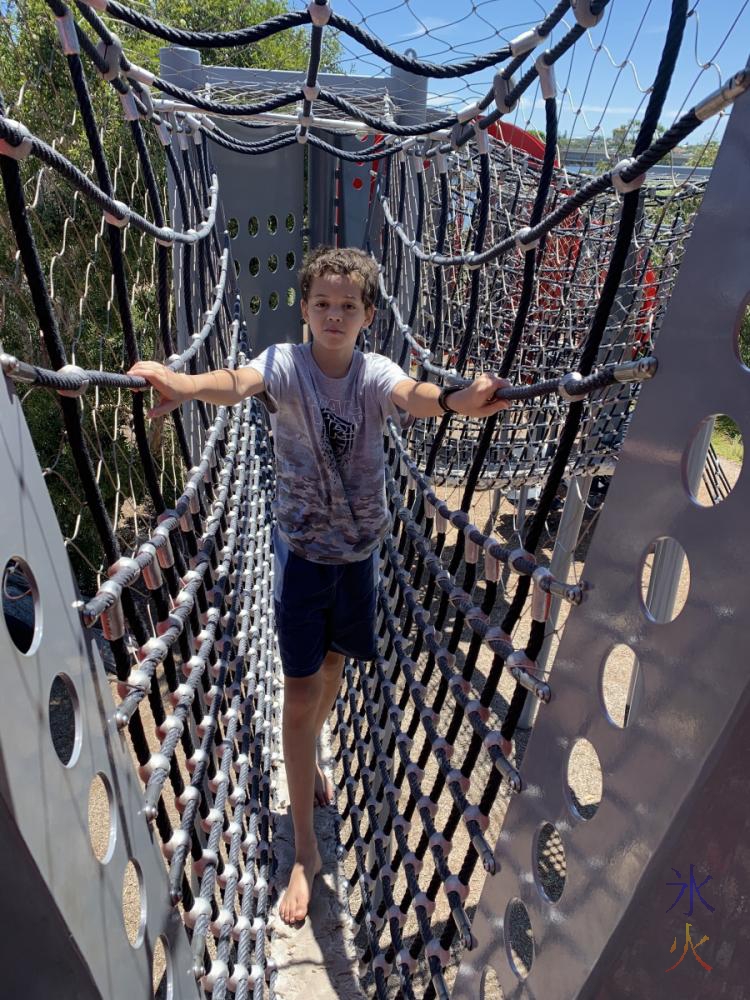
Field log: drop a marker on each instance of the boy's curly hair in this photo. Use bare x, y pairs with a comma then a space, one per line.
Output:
347, 261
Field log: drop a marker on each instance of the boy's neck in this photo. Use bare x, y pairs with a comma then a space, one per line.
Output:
333, 364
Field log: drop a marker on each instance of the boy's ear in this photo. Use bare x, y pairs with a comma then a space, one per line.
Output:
303, 309
369, 316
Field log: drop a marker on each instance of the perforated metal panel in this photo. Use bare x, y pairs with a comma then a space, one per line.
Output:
263, 201
54, 742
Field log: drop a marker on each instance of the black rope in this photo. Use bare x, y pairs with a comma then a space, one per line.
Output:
606, 301
207, 39
248, 36
81, 182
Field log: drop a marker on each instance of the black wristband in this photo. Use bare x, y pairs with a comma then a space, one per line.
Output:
444, 393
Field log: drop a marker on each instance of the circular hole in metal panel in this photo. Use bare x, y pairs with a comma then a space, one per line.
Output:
101, 818
742, 338
22, 609
233, 228
291, 296
237, 268
489, 987
133, 903
255, 305
273, 300
252, 226
665, 580
289, 222
162, 978
713, 460
550, 862
519, 938
583, 780
64, 720
620, 684
273, 263
254, 266
291, 260
273, 224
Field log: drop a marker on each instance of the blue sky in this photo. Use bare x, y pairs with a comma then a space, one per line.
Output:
604, 77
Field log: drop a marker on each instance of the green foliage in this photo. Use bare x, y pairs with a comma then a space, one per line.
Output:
727, 440
702, 155
286, 50
743, 340
37, 90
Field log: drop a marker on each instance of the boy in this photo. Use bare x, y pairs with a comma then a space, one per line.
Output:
330, 505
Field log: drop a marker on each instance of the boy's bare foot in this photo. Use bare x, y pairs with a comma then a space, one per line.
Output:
323, 788
296, 899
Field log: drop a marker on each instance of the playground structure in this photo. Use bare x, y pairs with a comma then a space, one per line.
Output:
458, 870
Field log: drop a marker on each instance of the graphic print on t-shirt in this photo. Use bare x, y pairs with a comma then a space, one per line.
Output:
339, 429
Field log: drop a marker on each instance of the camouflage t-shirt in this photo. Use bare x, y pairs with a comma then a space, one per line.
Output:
328, 438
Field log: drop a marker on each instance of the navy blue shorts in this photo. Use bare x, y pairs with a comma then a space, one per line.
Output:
320, 607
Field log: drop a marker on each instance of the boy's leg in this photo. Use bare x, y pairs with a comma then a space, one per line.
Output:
330, 673
302, 696
303, 592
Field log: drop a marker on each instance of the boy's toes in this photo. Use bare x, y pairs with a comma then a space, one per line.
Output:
323, 788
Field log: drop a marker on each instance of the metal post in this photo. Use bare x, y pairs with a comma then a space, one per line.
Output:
320, 197
521, 499
562, 556
409, 92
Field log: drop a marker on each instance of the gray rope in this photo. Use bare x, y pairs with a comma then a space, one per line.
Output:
119, 213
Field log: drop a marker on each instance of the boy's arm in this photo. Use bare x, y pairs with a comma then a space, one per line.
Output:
222, 387
420, 399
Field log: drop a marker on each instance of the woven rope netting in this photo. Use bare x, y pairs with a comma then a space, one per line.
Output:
513, 238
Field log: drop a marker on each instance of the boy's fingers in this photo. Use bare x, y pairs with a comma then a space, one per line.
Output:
166, 406
147, 370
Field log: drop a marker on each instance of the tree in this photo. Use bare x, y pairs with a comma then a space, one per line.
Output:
702, 155
286, 50
37, 90
623, 136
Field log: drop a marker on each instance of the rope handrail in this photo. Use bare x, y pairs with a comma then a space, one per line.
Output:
73, 380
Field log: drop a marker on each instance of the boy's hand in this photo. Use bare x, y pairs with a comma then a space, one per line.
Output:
174, 388
478, 399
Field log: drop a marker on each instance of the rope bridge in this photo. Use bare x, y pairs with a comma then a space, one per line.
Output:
117, 247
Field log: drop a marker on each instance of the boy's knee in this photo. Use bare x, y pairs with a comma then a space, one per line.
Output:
333, 663
299, 692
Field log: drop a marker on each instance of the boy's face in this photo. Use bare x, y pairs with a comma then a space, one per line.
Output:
335, 312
